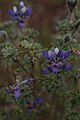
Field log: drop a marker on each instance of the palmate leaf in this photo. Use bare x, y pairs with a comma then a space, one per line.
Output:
29, 34
64, 27
8, 52
33, 49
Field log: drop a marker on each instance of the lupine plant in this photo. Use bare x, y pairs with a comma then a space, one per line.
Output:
21, 14
46, 80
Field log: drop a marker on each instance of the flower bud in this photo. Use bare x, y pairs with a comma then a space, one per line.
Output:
56, 50
15, 9
71, 4
23, 10
67, 37
21, 4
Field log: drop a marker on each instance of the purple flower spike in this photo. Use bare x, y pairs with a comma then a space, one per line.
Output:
17, 91
20, 15
57, 58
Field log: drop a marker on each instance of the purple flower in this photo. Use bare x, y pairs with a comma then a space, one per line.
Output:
51, 68
63, 54
49, 55
20, 15
56, 55
30, 108
17, 91
27, 81
66, 67
58, 61
37, 101
8, 91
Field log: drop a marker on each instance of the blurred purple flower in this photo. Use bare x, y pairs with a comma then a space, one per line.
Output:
20, 15
66, 67
37, 101
58, 61
17, 91
30, 108
56, 55
26, 81
8, 91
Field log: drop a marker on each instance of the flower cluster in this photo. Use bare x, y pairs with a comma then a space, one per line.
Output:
24, 12
37, 101
58, 61
16, 89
